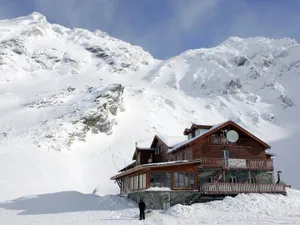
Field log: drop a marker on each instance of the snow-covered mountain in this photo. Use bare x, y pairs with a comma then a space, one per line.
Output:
74, 102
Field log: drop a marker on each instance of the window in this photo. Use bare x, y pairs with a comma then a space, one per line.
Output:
181, 179
189, 136
184, 156
157, 180
144, 180
176, 179
156, 151
141, 181
198, 132
161, 148
253, 180
225, 154
152, 180
131, 184
186, 180
210, 179
168, 179
192, 180
136, 184
233, 180
162, 179
176, 157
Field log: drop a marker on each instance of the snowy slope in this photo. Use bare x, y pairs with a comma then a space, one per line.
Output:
74, 102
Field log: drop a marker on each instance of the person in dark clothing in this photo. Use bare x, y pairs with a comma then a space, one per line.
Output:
142, 207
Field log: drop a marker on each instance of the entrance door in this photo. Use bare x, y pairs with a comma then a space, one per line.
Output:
166, 201
225, 155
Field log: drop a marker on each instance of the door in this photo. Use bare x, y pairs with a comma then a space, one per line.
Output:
225, 156
166, 201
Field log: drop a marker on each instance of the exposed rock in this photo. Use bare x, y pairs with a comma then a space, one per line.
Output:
241, 61
285, 101
233, 86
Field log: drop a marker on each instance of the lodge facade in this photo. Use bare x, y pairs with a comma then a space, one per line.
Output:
206, 163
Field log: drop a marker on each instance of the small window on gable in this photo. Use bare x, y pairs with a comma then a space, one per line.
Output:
233, 180
184, 156
176, 158
189, 136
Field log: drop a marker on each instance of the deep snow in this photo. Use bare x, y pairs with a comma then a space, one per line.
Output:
76, 208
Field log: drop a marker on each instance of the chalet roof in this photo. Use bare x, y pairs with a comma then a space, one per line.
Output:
196, 126
127, 167
172, 141
213, 129
155, 165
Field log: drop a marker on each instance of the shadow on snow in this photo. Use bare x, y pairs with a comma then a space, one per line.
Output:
67, 201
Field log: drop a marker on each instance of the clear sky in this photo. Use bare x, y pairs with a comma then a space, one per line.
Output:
166, 28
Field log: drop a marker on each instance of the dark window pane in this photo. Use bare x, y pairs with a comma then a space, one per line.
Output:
168, 179
181, 179
157, 180
162, 179
175, 179
186, 180
152, 180
192, 180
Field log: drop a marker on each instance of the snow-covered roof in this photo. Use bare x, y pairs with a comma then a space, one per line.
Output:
145, 149
192, 139
150, 165
172, 141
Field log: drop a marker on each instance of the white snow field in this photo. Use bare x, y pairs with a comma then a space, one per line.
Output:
74, 102
72, 207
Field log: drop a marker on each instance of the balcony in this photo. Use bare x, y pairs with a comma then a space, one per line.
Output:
216, 140
237, 188
237, 163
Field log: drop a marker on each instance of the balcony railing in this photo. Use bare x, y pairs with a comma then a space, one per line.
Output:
237, 163
236, 188
216, 140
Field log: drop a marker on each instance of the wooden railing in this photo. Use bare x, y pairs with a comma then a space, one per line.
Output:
216, 140
237, 163
236, 188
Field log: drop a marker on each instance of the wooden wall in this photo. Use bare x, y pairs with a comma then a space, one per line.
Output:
203, 148
162, 155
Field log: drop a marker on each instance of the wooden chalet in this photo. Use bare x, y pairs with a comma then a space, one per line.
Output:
208, 162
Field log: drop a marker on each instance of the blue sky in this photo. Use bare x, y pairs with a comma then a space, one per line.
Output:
166, 28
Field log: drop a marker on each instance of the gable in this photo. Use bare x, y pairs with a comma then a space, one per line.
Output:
234, 126
217, 128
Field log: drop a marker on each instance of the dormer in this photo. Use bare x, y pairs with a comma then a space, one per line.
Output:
143, 155
196, 130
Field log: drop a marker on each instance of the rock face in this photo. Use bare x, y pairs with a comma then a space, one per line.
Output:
99, 116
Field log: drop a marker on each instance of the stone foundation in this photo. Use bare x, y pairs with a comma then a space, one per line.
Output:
161, 199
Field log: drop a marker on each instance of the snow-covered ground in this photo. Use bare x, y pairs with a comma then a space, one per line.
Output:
76, 208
